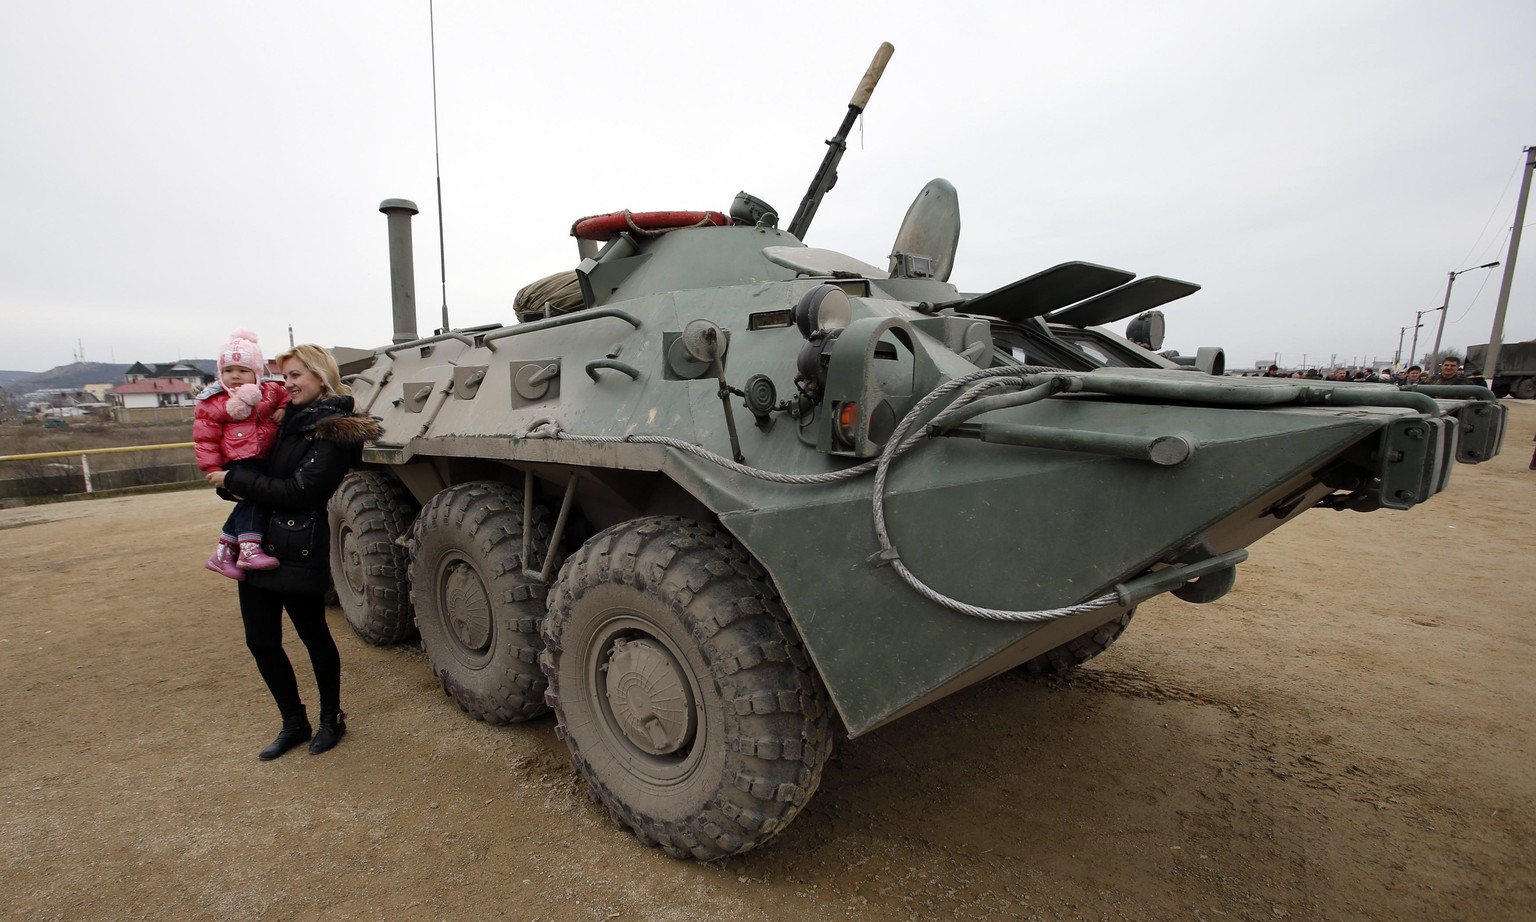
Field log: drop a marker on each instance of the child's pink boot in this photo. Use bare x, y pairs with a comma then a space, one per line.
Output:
252, 557
223, 560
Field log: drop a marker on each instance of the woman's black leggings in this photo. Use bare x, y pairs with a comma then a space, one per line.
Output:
262, 612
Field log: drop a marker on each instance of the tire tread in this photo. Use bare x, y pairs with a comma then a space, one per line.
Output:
778, 735
380, 511
1080, 649
487, 517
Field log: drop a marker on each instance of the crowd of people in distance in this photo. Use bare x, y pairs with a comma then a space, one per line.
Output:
1451, 372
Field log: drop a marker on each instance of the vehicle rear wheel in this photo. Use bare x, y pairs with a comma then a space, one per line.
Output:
1524, 388
687, 700
478, 614
368, 515
1080, 649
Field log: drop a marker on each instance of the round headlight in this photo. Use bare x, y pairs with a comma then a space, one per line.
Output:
823, 308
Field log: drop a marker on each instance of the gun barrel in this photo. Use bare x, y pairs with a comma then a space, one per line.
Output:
826, 175
872, 76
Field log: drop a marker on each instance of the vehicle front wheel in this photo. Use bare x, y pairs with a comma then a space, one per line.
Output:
681, 688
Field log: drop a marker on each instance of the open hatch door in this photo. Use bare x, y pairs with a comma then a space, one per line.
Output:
1047, 291
1140, 295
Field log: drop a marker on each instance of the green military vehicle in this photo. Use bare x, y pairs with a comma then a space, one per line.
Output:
1516, 374
721, 493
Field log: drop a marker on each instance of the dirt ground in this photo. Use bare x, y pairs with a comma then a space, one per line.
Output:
1348, 735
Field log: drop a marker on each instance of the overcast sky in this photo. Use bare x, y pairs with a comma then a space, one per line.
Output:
175, 170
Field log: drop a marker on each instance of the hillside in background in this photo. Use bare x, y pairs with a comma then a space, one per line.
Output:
80, 374
76, 375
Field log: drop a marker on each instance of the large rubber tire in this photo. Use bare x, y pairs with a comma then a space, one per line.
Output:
681, 688
1080, 649
1524, 389
478, 614
369, 514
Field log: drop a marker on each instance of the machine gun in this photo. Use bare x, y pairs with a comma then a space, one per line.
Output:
826, 175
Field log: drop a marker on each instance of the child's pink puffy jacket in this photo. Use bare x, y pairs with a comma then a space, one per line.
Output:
231, 427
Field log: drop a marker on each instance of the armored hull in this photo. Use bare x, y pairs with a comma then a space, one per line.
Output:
890, 507
719, 491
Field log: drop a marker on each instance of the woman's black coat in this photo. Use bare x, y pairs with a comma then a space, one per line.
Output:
316, 444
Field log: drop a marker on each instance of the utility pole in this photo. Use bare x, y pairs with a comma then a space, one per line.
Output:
1413, 350
1496, 338
1444, 305
1397, 357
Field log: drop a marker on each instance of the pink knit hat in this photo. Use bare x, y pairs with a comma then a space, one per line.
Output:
242, 351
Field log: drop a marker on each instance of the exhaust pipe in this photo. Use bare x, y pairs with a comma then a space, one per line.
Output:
402, 267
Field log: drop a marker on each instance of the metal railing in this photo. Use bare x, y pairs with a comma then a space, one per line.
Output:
84, 453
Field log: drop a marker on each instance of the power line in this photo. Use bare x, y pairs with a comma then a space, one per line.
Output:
1512, 174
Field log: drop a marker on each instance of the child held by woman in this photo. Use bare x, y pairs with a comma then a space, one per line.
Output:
234, 426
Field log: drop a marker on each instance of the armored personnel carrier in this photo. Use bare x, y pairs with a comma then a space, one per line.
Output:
720, 492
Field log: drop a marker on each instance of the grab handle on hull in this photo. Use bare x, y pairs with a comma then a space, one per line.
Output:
1145, 587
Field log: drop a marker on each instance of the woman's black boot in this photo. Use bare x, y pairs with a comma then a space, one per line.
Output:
332, 728
295, 731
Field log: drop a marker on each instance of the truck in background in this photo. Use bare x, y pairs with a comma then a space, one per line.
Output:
1517, 368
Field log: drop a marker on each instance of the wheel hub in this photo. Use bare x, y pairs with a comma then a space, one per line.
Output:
351, 561
467, 605
649, 696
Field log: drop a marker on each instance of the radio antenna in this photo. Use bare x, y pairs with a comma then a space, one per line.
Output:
442, 258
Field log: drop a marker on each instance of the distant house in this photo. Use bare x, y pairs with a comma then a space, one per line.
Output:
202, 371
155, 392
137, 372
65, 411
161, 392
180, 371
52, 398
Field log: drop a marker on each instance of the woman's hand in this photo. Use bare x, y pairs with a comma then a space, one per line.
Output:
216, 478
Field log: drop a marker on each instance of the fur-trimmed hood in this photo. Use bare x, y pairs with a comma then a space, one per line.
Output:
350, 429
332, 419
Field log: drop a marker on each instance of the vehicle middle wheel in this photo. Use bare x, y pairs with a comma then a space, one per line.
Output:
479, 616
685, 695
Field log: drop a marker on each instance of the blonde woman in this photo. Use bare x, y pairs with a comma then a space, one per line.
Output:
319, 439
